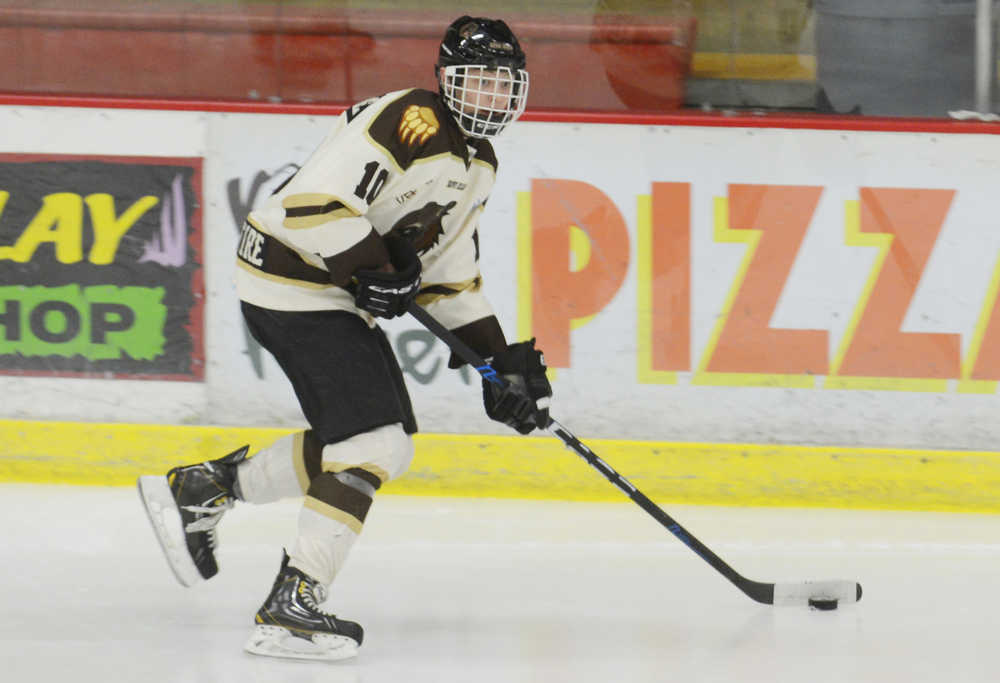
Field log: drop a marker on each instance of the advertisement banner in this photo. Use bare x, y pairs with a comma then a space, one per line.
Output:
757, 285
101, 267
693, 284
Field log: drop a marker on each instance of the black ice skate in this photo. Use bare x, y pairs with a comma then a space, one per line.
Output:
291, 624
184, 508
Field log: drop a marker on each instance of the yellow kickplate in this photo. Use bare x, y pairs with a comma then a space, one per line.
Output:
541, 467
112, 454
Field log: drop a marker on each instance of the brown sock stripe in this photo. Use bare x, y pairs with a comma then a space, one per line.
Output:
327, 489
369, 477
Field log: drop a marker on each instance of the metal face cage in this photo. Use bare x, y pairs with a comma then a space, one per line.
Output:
484, 99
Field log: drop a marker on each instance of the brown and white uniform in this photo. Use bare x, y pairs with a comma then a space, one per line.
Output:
395, 164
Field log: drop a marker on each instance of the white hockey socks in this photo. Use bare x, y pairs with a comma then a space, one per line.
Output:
275, 472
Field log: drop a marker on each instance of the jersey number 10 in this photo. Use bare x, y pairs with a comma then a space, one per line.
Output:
362, 191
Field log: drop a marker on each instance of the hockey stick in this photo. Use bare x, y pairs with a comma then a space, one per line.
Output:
817, 593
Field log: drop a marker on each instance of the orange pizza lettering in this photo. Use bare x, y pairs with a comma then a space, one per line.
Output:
748, 343
670, 274
561, 294
879, 349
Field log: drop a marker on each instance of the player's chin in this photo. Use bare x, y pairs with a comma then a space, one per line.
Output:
488, 130
492, 125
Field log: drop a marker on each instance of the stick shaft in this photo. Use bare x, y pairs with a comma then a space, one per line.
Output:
463, 350
761, 592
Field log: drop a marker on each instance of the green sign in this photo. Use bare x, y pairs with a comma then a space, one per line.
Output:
100, 267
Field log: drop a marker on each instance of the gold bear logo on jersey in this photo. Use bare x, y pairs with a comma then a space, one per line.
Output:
418, 124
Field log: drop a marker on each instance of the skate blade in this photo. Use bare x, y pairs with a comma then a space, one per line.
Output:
277, 641
168, 527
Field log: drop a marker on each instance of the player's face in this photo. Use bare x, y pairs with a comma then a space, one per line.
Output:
486, 91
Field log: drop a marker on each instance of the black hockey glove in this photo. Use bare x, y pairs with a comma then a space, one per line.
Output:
524, 403
388, 294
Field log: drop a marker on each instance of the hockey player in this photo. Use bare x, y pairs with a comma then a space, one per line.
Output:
384, 212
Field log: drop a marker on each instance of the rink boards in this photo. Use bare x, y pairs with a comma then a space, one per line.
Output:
736, 309
541, 468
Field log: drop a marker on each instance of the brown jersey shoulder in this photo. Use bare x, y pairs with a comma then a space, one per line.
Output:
415, 126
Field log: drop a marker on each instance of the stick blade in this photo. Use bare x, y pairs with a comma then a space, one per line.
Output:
797, 594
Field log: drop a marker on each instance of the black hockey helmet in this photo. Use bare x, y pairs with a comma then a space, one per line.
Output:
477, 40
481, 74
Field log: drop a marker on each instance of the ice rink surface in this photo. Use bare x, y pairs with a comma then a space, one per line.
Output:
498, 590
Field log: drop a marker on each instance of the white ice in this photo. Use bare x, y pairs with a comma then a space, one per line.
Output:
498, 590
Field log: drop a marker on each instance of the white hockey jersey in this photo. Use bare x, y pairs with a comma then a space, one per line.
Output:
394, 164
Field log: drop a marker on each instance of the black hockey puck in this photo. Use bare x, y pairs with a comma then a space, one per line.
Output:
825, 604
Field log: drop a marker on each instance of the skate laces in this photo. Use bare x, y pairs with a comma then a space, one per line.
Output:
211, 515
313, 595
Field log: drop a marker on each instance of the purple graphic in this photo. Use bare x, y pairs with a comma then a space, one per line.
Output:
169, 247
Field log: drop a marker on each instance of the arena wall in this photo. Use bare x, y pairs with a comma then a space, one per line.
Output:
737, 309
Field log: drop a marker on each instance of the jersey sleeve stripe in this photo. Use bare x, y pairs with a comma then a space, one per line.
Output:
309, 210
438, 291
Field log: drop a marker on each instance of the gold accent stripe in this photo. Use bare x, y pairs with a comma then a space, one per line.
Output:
319, 507
428, 299
479, 162
256, 225
337, 467
306, 200
299, 461
304, 284
471, 285
541, 468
